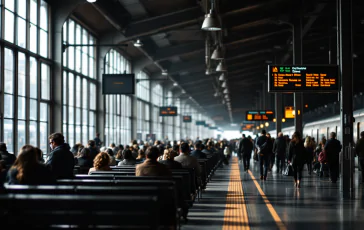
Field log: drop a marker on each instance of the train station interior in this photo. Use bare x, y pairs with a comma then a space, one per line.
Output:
135, 72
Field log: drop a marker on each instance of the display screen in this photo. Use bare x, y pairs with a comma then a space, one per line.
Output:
200, 123
303, 78
167, 111
118, 83
260, 115
187, 118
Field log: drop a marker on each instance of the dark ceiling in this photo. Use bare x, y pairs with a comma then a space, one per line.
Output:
251, 37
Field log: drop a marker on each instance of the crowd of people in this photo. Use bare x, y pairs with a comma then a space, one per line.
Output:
29, 166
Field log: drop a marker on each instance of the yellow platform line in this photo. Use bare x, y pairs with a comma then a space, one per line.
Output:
272, 211
236, 214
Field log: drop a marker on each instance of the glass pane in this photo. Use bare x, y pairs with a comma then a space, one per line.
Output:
78, 116
71, 135
91, 67
65, 86
21, 108
92, 133
84, 117
70, 90
22, 8
33, 133
71, 32
71, 115
92, 96
33, 39
78, 91
43, 15
33, 78
43, 43
84, 64
43, 135
21, 134
8, 106
92, 119
9, 71
33, 11
21, 74
22, 35
65, 29
8, 135
45, 82
78, 134
43, 112
71, 57
33, 106
84, 94
78, 60
9, 26
64, 114
9, 4
84, 135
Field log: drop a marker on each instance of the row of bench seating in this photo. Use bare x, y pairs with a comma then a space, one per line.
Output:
114, 199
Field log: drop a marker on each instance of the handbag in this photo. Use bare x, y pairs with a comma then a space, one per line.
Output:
288, 171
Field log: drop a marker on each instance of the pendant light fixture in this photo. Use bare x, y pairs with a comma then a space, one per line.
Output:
221, 67
138, 43
222, 77
217, 54
91, 1
211, 23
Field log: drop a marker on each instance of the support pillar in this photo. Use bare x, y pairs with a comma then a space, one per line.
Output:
278, 112
297, 60
345, 61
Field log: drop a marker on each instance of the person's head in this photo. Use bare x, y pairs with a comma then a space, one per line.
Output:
25, 162
97, 134
280, 134
184, 148
127, 154
141, 154
112, 145
268, 135
296, 137
198, 146
152, 153
101, 160
85, 152
121, 147
169, 154
362, 134
39, 154
56, 139
119, 154
110, 152
3, 147
243, 135
91, 143
263, 132
333, 135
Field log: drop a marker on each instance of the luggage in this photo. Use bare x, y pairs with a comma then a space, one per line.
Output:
288, 171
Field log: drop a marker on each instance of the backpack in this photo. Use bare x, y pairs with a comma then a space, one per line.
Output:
322, 157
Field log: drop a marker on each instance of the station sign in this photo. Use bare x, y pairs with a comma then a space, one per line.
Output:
289, 112
187, 118
259, 115
303, 78
200, 123
167, 111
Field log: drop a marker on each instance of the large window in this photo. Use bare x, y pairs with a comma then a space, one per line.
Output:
143, 104
79, 84
117, 107
169, 120
26, 89
157, 93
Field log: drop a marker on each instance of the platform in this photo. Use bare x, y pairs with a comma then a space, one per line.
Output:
235, 199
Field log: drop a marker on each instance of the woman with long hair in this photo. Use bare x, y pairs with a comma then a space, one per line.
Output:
296, 157
101, 163
28, 170
310, 148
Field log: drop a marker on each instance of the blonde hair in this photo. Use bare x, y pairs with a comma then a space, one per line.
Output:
101, 160
169, 154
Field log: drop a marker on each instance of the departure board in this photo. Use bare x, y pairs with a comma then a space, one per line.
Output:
303, 78
260, 115
167, 111
187, 118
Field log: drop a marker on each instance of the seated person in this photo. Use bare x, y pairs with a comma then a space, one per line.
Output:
3, 172
111, 155
168, 159
101, 163
119, 156
198, 152
128, 158
151, 167
27, 169
84, 158
141, 156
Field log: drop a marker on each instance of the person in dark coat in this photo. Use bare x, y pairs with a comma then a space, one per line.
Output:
245, 149
6, 156
197, 152
333, 148
297, 157
279, 149
168, 159
151, 167
60, 160
263, 154
359, 150
27, 169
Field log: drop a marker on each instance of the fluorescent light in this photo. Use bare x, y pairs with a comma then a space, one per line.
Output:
138, 43
164, 72
175, 84
91, 1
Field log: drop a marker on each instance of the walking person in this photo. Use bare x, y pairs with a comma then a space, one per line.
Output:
359, 149
333, 148
245, 150
279, 149
296, 157
263, 154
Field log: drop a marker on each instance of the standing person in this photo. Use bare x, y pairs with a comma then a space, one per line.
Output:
6, 156
245, 150
263, 154
333, 148
296, 156
60, 160
98, 141
359, 149
310, 148
279, 149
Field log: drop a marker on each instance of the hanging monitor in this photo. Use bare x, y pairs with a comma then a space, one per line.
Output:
118, 83
187, 118
259, 115
303, 78
168, 111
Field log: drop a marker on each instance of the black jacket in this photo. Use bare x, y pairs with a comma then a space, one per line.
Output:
171, 164
332, 148
246, 146
61, 162
198, 154
8, 158
279, 147
297, 153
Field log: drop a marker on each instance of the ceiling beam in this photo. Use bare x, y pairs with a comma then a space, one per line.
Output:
189, 66
172, 51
